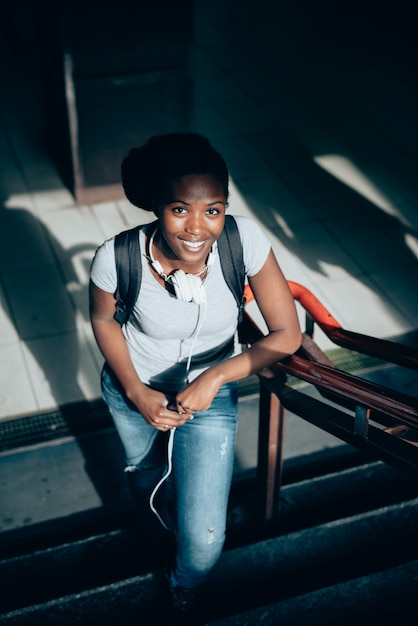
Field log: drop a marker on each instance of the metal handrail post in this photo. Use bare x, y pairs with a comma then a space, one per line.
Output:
270, 452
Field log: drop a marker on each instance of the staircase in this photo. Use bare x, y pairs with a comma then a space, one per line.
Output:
345, 552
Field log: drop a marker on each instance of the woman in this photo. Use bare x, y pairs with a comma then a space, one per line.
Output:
172, 367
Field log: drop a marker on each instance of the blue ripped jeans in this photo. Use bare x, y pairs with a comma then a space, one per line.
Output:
203, 462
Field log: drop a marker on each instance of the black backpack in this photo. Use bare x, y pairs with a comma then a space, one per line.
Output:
128, 267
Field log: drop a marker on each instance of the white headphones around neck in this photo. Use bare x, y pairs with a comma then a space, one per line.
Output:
187, 287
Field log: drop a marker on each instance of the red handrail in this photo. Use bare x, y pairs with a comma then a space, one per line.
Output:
315, 308
371, 417
383, 349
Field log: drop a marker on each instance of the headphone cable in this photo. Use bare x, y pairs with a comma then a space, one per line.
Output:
172, 431
164, 478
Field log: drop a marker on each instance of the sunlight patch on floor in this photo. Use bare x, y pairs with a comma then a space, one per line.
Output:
349, 173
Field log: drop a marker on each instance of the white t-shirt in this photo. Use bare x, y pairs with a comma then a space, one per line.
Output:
163, 332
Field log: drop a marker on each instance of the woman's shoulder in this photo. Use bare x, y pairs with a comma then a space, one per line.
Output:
243, 221
105, 253
250, 229
255, 243
142, 230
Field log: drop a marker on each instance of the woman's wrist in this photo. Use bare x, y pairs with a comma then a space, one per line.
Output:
217, 375
134, 389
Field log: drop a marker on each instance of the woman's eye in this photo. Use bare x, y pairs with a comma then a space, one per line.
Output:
213, 211
179, 209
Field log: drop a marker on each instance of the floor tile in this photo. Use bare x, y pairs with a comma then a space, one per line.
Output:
132, 215
360, 307
400, 288
244, 115
39, 475
62, 369
389, 171
88, 337
321, 193
39, 302
8, 332
17, 395
267, 92
49, 194
207, 117
23, 241
73, 231
271, 202
21, 199
291, 265
375, 242
323, 258
77, 277
11, 184
366, 193
242, 160
109, 218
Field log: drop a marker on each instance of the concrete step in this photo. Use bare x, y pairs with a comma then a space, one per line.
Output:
385, 597
360, 561
334, 529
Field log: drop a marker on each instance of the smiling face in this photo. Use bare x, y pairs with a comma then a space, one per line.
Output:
192, 216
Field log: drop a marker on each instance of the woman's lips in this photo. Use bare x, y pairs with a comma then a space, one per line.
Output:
193, 246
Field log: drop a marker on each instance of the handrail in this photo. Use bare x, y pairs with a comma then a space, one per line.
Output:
353, 388
383, 349
381, 421
398, 405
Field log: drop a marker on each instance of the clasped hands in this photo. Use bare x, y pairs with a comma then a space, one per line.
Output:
165, 412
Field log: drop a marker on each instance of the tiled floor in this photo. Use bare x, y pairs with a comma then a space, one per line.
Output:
321, 146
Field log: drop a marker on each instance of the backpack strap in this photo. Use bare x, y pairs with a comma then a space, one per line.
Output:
129, 272
232, 261
129, 267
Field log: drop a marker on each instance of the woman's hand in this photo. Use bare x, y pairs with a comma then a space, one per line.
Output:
198, 395
154, 408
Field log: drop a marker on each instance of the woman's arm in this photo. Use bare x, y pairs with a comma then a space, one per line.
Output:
108, 333
277, 306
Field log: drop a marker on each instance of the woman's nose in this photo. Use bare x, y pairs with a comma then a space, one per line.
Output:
194, 225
